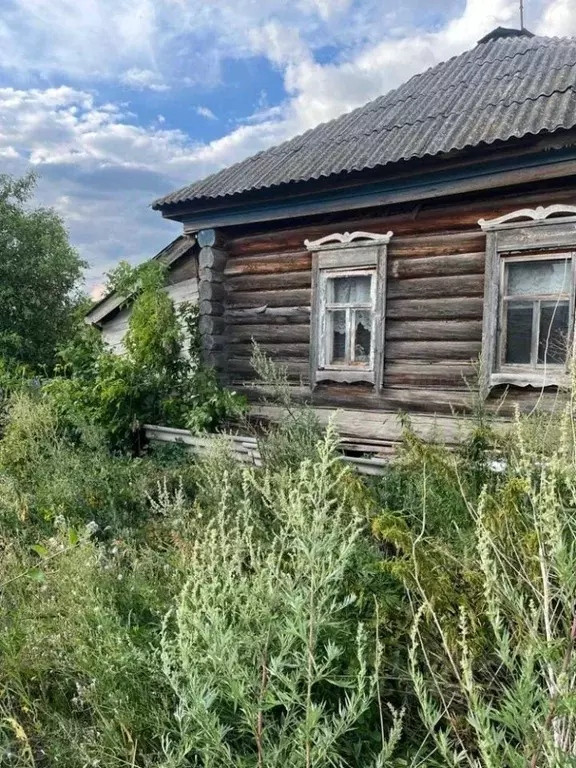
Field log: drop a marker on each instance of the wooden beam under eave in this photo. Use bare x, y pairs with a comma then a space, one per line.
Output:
424, 192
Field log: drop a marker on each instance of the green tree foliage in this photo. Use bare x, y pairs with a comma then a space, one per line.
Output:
39, 277
159, 380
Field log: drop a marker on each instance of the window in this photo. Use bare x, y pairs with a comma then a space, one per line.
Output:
535, 311
348, 318
349, 280
529, 299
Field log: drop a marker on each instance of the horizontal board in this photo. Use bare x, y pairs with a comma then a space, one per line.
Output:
408, 374
380, 426
279, 298
433, 330
432, 350
270, 282
279, 351
436, 218
436, 287
435, 266
187, 290
274, 321
269, 263
269, 333
413, 399
438, 244
240, 369
468, 308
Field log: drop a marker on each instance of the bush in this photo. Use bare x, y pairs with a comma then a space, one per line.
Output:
266, 649
159, 380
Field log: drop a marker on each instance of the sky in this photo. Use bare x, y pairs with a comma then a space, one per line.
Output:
114, 103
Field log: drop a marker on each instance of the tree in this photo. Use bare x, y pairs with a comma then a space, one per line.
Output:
40, 275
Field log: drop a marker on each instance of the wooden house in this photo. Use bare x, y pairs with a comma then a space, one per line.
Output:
381, 255
112, 313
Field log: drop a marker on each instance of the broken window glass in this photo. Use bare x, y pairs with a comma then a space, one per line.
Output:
349, 318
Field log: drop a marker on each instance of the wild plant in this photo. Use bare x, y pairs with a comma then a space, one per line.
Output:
266, 649
499, 690
296, 435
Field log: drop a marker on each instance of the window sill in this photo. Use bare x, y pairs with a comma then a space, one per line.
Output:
550, 378
346, 376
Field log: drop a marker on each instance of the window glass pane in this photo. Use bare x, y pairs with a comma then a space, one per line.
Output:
553, 339
362, 335
351, 290
336, 336
550, 276
518, 333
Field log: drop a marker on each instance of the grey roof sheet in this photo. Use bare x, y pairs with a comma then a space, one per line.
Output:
506, 87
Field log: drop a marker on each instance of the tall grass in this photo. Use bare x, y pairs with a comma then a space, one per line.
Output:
161, 612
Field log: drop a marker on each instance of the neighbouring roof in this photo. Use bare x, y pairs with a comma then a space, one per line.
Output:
510, 85
114, 301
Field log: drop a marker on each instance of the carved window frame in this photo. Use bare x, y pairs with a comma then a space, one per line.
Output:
524, 235
347, 255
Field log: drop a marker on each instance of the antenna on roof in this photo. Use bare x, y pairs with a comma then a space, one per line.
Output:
521, 14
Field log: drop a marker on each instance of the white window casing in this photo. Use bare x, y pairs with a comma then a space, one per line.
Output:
530, 279
348, 307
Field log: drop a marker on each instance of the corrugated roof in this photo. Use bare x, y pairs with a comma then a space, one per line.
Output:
508, 86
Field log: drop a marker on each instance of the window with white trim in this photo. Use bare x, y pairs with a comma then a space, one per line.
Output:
348, 296
348, 300
529, 297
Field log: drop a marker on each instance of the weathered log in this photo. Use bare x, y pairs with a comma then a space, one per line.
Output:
210, 237
469, 308
436, 266
269, 263
435, 218
206, 307
441, 244
209, 291
211, 325
436, 287
269, 282
280, 298
434, 330
442, 375
215, 358
242, 370
269, 316
270, 333
382, 425
213, 342
280, 352
207, 274
212, 258
432, 350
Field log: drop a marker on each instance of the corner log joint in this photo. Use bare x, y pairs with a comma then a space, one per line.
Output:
212, 324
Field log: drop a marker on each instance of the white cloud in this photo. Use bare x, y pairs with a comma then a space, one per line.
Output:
101, 167
206, 112
559, 19
141, 79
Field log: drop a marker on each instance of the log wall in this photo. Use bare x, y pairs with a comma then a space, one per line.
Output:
434, 304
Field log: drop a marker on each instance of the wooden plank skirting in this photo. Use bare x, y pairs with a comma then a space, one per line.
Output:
245, 449
368, 440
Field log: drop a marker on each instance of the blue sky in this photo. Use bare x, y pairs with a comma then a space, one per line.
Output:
116, 102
